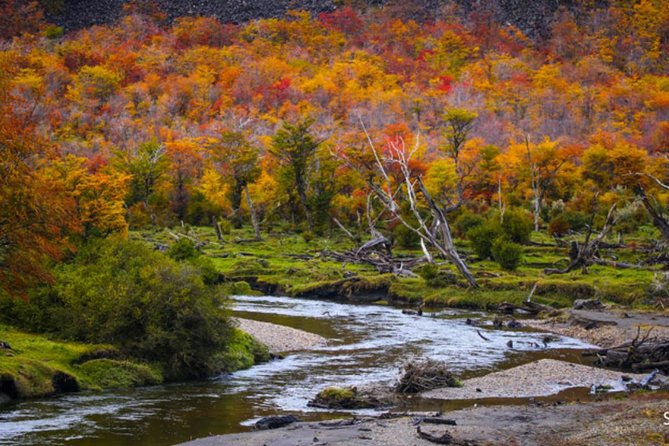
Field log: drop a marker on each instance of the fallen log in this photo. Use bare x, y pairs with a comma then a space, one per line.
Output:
438, 420
642, 353
482, 337
445, 438
400, 266
527, 306
275, 422
651, 365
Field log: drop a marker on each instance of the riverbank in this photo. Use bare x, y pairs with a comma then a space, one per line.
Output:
634, 420
299, 266
605, 328
33, 365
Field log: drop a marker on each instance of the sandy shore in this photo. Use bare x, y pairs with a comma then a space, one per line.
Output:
634, 421
279, 338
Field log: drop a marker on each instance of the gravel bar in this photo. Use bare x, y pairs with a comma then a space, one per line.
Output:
279, 338
540, 378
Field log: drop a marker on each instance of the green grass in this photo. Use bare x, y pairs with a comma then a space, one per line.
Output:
243, 352
34, 360
111, 373
292, 266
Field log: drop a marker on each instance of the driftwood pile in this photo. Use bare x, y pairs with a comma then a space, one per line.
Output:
419, 376
642, 353
382, 261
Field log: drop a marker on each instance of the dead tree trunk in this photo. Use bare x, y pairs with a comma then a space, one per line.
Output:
536, 194
217, 228
588, 250
438, 235
659, 221
252, 211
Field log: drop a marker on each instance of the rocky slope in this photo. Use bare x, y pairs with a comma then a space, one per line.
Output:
533, 17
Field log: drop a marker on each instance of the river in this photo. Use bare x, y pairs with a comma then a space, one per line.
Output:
366, 343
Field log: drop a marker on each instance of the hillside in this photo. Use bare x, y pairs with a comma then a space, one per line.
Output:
533, 18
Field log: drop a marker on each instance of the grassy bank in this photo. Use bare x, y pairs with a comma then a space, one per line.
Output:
291, 264
38, 366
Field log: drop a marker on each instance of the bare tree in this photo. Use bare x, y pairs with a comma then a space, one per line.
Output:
652, 207
584, 255
433, 229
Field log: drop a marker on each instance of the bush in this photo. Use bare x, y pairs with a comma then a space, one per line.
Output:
482, 238
436, 278
517, 226
183, 249
124, 293
558, 227
405, 237
577, 220
506, 253
467, 221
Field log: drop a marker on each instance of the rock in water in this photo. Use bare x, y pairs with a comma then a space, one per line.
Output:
275, 422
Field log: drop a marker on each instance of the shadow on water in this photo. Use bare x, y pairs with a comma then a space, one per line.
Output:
366, 343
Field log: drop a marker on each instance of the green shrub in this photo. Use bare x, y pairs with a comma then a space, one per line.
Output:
482, 238
517, 226
506, 253
434, 277
465, 222
577, 220
208, 271
124, 293
240, 288
405, 237
183, 249
226, 227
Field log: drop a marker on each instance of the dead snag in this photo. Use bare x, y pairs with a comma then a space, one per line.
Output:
584, 255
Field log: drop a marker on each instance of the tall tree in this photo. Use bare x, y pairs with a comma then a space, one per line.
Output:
147, 164
295, 147
459, 123
36, 215
238, 161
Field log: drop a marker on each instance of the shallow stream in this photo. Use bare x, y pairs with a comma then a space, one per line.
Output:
366, 343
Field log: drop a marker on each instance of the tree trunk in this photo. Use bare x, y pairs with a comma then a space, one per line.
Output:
452, 253
303, 201
448, 247
658, 220
536, 195
217, 228
252, 211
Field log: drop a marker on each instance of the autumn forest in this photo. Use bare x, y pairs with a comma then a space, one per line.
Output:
457, 151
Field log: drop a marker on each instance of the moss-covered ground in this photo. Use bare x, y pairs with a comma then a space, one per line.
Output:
38, 366
292, 264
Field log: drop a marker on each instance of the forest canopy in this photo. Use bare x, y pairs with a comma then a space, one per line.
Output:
148, 122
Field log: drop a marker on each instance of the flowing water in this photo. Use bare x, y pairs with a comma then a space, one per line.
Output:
366, 343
